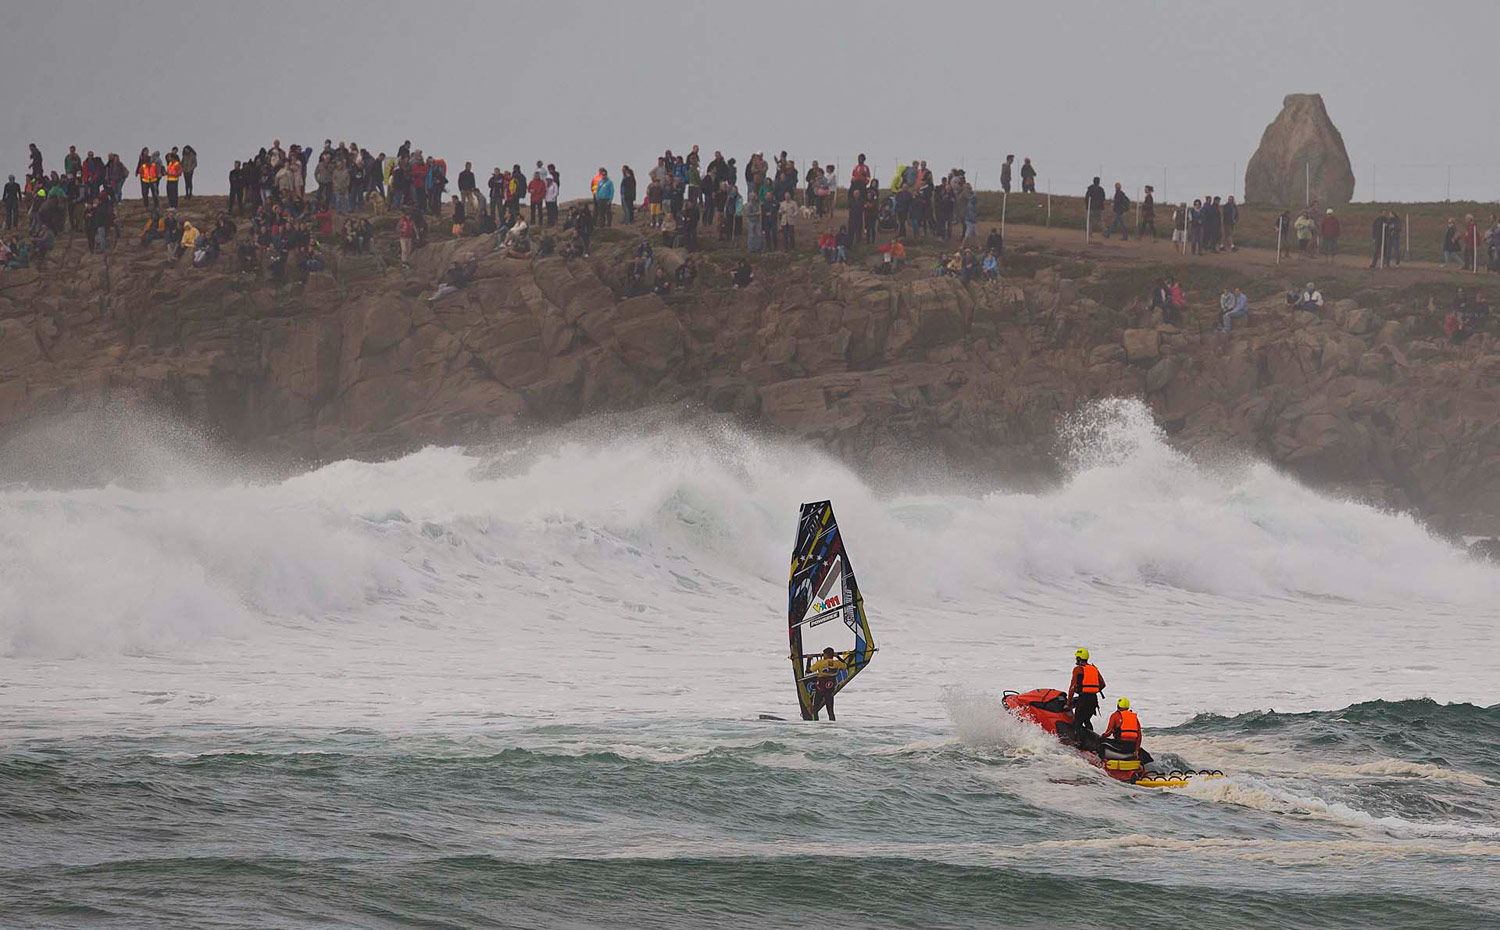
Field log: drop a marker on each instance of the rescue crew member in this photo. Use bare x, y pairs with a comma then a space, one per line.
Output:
1084, 691
145, 169
1124, 727
826, 684
174, 174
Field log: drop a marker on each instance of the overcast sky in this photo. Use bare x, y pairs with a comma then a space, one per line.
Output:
1083, 86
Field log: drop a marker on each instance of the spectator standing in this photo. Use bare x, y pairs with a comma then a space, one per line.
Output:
628, 194
406, 232
1378, 230
174, 174
1121, 207
189, 165
145, 169
1329, 235
1028, 177
1452, 243
1005, 173
604, 200
12, 199
1093, 199
1304, 228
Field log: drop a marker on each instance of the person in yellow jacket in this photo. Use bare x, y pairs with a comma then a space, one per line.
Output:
826, 683
186, 243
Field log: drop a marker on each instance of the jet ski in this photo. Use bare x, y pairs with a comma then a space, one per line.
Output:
1048, 709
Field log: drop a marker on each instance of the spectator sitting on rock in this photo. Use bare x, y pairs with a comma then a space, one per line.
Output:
1161, 299
662, 285
742, 275
1239, 309
207, 253
460, 272
517, 239
1178, 300
42, 243
991, 265
687, 272
1479, 313
1311, 299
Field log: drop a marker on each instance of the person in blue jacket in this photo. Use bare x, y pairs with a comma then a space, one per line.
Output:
604, 197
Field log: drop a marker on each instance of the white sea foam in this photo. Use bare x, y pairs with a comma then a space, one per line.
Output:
610, 578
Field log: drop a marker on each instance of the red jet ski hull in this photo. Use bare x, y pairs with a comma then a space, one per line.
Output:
1047, 709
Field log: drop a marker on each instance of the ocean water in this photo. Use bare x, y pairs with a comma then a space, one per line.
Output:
522, 687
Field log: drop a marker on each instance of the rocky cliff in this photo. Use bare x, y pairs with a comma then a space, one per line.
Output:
881, 370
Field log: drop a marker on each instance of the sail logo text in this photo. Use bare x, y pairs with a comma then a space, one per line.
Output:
829, 604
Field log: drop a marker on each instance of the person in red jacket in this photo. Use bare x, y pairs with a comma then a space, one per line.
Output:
859, 178
406, 230
537, 190
1329, 234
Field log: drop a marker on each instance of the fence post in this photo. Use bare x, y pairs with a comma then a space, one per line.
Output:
1383, 252
1088, 221
1278, 242
1049, 203
1408, 235
1004, 204
1137, 211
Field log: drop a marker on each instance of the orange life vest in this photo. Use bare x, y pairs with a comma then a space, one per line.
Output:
1130, 726
1088, 678
174, 170
147, 171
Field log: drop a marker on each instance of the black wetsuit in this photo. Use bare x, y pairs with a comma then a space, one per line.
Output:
823, 692
1085, 706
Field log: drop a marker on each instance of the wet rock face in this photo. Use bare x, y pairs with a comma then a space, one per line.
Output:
1300, 144
879, 370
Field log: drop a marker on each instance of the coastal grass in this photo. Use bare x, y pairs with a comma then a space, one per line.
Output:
1257, 225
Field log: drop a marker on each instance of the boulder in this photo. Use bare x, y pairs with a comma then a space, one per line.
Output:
1142, 345
1361, 321
1160, 375
1299, 146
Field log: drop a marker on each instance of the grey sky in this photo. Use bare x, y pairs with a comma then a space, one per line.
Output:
1080, 86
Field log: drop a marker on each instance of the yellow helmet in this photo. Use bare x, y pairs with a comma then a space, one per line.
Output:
1123, 703
1081, 653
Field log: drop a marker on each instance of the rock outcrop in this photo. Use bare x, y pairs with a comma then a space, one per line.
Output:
1300, 153
879, 369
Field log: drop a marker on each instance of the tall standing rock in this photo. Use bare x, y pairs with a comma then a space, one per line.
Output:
1301, 144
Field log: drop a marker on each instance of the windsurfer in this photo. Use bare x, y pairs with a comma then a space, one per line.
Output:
1084, 691
825, 686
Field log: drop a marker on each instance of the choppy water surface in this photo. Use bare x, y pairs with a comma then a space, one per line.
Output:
459, 690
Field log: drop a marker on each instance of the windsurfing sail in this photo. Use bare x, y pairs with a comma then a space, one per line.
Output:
825, 608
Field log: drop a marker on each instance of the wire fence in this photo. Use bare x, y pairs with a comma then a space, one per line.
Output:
1375, 182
